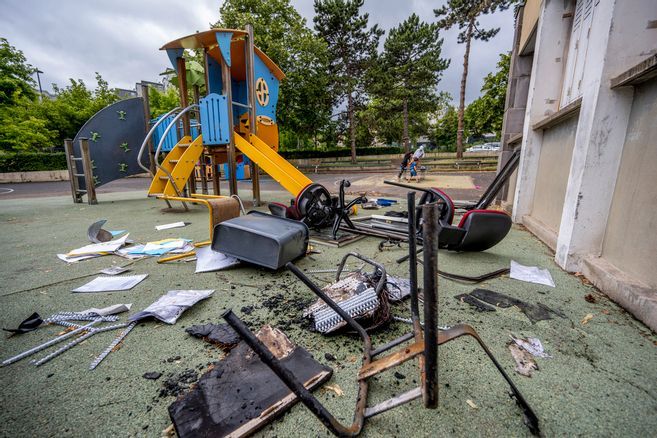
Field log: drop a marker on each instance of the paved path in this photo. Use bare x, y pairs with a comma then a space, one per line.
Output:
455, 184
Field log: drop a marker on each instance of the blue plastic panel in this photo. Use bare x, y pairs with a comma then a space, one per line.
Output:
261, 71
223, 39
214, 119
214, 76
174, 54
174, 133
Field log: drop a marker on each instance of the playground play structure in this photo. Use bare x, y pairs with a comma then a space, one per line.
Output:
236, 118
236, 121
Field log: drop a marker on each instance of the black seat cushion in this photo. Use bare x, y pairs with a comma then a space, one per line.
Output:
483, 229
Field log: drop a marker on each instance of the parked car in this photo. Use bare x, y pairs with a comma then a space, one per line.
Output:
486, 147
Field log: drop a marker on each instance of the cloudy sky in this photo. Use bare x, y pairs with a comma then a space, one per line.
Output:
120, 38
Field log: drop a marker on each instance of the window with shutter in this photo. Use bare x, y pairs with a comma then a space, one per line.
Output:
577, 51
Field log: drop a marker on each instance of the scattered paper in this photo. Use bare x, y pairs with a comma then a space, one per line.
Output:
100, 248
587, 318
117, 232
109, 284
471, 404
114, 270
531, 345
525, 363
531, 274
160, 247
110, 310
169, 307
171, 225
76, 259
208, 260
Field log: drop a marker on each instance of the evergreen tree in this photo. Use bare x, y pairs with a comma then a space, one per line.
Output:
465, 15
304, 104
408, 73
351, 48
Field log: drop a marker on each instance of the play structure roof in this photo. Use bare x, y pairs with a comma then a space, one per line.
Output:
207, 40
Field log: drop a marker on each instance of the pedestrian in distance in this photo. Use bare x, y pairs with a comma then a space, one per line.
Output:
404, 164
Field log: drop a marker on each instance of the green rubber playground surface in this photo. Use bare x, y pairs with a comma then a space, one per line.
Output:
600, 381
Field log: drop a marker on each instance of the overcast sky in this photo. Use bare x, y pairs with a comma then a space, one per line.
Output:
120, 38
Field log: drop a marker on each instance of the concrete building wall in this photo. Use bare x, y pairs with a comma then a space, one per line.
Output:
552, 176
630, 241
587, 179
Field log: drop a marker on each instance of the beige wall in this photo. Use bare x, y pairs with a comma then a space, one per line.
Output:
530, 15
553, 170
631, 237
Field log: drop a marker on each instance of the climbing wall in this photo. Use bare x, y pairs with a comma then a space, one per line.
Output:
115, 135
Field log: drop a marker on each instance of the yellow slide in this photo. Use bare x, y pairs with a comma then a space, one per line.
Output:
276, 166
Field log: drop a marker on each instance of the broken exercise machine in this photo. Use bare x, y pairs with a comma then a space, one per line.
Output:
426, 338
478, 229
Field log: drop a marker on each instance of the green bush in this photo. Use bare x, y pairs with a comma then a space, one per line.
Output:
344, 152
32, 161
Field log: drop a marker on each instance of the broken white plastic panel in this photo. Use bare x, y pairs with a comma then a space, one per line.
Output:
531, 274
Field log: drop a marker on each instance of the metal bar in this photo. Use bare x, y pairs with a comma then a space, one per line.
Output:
430, 229
47, 344
241, 104
387, 346
147, 141
88, 171
290, 379
250, 81
228, 92
391, 360
113, 345
412, 255
393, 402
91, 331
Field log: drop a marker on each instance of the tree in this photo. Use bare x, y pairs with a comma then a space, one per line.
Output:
444, 130
465, 14
408, 73
162, 102
15, 75
484, 115
351, 48
74, 105
304, 104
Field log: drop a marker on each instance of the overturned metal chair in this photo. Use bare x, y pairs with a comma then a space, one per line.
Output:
425, 341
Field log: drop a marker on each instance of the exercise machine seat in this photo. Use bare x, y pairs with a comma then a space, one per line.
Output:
483, 229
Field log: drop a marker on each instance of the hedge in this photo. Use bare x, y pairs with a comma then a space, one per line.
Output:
32, 161
343, 152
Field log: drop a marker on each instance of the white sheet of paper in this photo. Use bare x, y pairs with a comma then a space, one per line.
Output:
208, 260
531, 274
108, 284
171, 225
96, 248
75, 259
